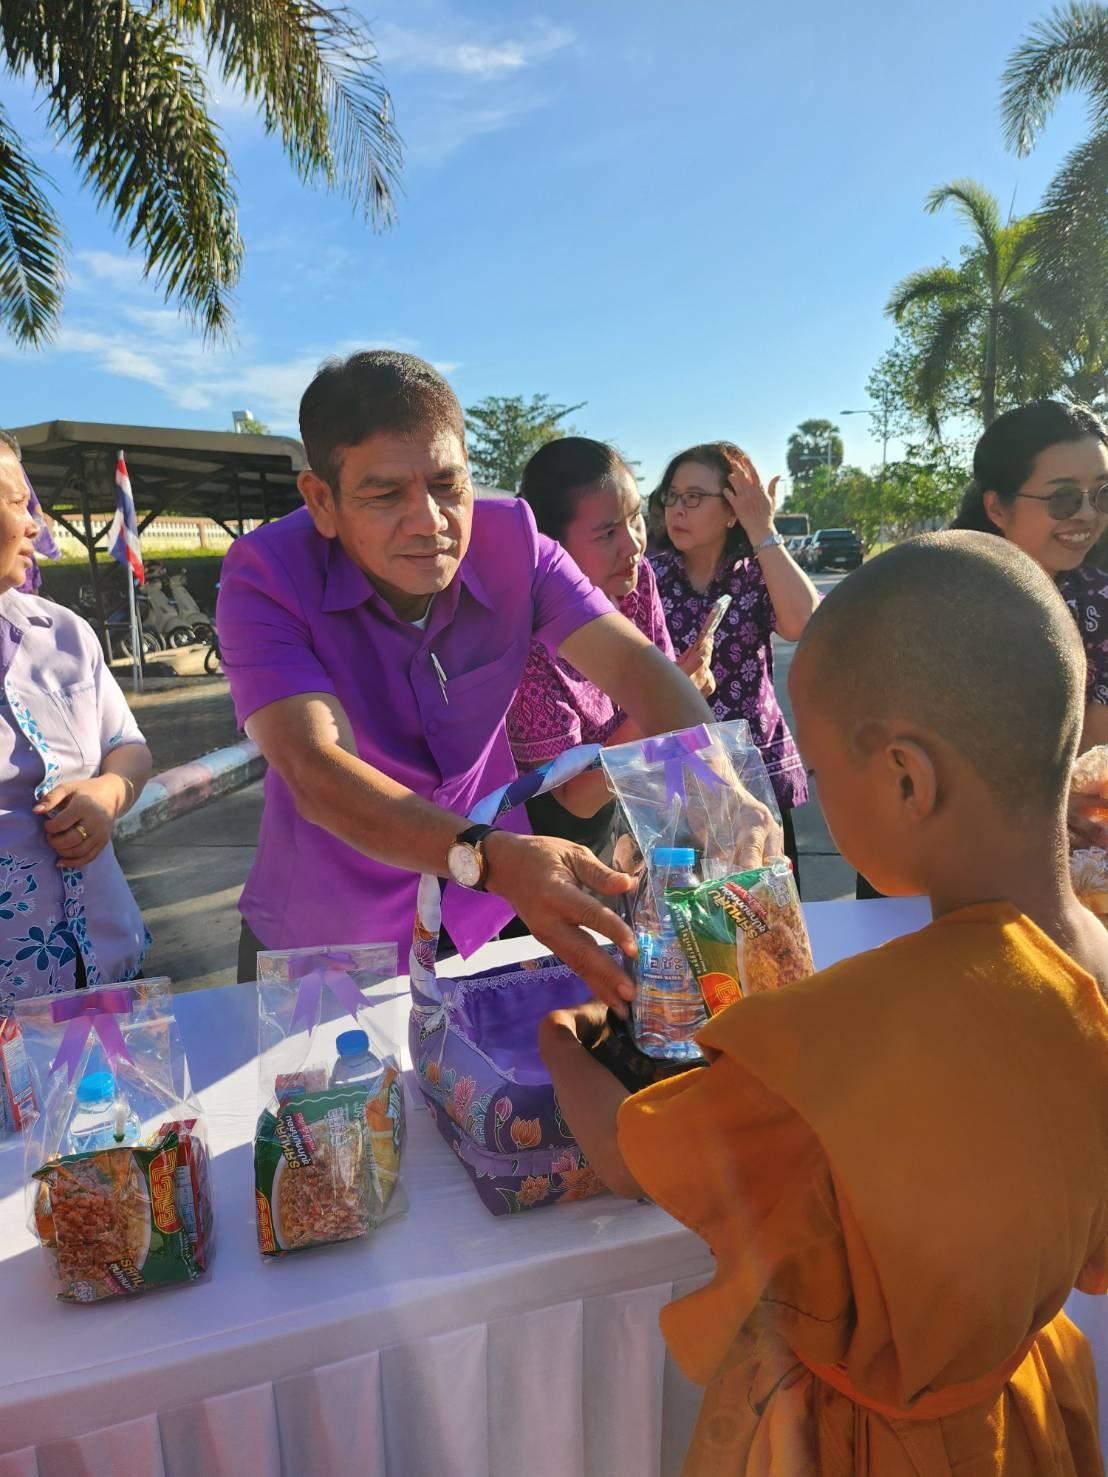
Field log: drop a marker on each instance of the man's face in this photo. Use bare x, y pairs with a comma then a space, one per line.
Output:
403, 513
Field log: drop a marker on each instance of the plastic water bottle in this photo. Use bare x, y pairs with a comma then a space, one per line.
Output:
668, 1008
102, 1117
356, 1063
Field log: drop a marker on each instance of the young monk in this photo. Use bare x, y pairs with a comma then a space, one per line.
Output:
901, 1164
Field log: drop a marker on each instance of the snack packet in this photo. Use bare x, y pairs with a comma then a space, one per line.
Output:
330, 1132
115, 1152
109, 1221
17, 1098
743, 934
1089, 875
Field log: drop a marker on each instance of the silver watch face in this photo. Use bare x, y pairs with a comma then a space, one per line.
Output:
464, 864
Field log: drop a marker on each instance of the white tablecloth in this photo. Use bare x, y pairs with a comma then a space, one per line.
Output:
451, 1343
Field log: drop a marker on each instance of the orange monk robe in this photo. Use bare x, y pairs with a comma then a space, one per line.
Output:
901, 1167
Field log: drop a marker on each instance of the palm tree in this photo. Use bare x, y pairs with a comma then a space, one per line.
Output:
977, 324
122, 88
1066, 52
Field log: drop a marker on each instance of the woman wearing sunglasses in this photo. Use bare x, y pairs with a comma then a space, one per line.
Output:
1040, 479
712, 522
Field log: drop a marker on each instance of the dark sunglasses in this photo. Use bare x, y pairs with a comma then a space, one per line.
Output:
1067, 501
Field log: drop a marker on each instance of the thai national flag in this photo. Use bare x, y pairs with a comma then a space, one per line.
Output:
123, 538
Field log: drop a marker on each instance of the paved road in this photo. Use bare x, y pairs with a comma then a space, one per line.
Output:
187, 875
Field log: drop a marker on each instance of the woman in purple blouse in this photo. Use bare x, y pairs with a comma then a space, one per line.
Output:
584, 495
713, 523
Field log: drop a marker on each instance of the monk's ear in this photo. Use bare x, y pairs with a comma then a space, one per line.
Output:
913, 772
320, 502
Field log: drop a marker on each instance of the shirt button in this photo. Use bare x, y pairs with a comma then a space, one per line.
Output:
432, 725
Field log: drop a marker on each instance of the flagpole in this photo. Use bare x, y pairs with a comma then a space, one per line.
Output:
136, 635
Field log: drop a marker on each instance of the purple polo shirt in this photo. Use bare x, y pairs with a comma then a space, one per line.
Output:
297, 615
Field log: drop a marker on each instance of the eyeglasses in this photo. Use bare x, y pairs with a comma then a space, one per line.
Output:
671, 497
1064, 502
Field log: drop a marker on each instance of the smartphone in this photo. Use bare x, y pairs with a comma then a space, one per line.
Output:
714, 618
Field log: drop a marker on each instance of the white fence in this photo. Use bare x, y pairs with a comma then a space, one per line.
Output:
162, 533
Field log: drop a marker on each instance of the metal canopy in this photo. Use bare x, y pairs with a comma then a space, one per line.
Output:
221, 475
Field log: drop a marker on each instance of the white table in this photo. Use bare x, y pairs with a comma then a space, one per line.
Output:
452, 1343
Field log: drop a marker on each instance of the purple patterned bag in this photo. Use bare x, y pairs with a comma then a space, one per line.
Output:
474, 1043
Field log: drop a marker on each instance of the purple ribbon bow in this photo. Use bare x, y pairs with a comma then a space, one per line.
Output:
314, 972
678, 752
91, 1010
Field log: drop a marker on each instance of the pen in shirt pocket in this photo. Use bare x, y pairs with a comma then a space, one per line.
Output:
441, 675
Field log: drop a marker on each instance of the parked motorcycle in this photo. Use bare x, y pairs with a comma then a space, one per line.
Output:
165, 618
202, 624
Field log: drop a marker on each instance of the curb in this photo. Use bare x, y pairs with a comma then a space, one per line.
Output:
176, 791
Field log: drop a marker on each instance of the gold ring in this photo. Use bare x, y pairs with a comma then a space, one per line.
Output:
81, 830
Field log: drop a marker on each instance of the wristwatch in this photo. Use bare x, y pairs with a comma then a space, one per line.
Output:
773, 541
466, 860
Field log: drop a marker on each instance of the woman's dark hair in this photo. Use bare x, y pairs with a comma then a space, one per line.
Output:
380, 390
1005, 454
558, 472
719, 455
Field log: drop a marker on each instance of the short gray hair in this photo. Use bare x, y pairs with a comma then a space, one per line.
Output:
8, 440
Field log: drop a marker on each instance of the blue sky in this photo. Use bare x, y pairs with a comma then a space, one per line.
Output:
689, 216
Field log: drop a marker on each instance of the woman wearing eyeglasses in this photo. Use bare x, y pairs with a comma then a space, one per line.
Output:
712, 521
1040, 479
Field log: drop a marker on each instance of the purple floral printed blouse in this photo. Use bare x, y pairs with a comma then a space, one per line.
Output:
743, 661
555, 707
1085, 591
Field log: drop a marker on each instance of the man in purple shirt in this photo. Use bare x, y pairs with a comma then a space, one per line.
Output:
373, 641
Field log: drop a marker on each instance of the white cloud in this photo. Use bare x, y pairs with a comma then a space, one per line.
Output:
467, 55
112, 268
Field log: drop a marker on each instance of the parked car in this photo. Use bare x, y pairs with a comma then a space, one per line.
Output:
799, 549
833, 548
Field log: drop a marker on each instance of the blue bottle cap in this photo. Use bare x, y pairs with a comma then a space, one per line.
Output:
677, 858
352, 1043
95, 1087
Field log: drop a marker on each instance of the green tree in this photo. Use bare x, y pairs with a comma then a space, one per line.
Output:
808, 449
978, 322
251, 427
123, 89
505, 431
1066, 52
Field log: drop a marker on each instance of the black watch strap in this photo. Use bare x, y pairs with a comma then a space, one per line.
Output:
474, 835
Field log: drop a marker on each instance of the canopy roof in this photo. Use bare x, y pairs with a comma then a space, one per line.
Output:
222, 475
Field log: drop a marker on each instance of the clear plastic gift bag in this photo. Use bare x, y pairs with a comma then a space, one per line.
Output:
697, 823
330, 1133
115, 1149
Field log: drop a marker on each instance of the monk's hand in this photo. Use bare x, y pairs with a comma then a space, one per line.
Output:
545, 880
584, 1023
80, 815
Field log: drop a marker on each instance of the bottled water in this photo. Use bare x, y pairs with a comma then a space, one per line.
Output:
102, 1117
356, 1063
668, 1008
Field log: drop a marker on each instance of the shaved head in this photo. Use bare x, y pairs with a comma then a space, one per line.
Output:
962, 635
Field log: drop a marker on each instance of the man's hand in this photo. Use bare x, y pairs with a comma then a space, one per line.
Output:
544, 880
696, 663
80, 815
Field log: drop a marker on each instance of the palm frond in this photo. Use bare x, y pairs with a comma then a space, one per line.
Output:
941, 344
1068, 51
977, 206
32, 246
314, 71
929, 284
1029, 362
133, 105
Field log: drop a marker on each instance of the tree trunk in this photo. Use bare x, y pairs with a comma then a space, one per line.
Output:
988, 384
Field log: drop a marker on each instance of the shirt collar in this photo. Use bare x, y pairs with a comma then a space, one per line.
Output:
10, 610
346, 586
